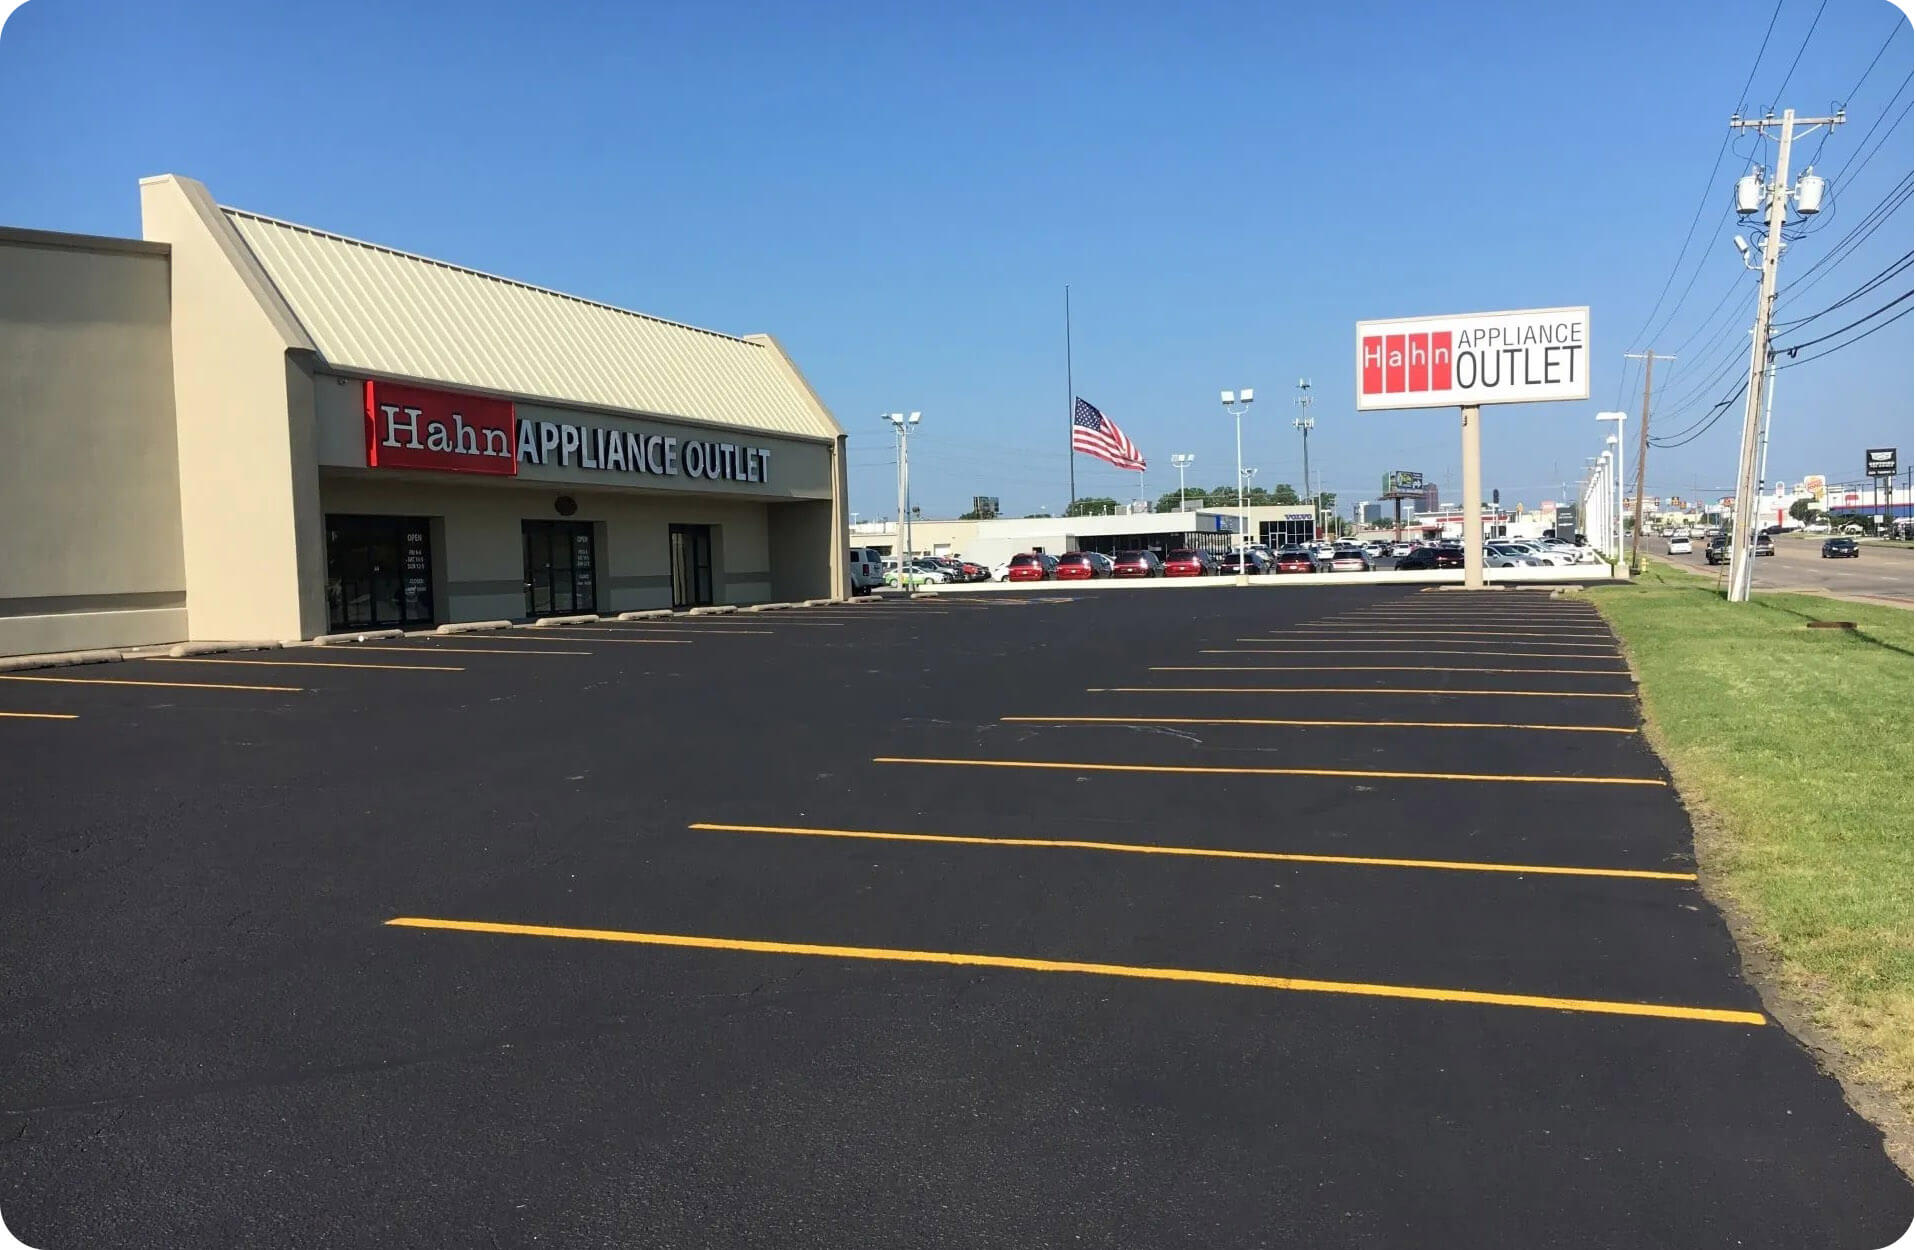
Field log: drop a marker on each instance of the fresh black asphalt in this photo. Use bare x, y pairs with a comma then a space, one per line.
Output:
210, 1037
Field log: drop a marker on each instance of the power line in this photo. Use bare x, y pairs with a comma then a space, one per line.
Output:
1840, 346
1793, 348
1709, 184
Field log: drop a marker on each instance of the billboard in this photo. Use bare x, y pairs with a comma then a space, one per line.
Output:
1531, 355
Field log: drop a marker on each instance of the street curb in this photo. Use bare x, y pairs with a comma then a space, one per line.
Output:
59, 659
366, 636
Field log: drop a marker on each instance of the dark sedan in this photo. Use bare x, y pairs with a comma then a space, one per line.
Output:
1431, 558
1841, 549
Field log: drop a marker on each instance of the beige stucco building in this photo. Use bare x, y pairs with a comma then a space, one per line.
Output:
238, 428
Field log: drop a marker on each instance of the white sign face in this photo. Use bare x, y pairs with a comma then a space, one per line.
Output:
1528, 356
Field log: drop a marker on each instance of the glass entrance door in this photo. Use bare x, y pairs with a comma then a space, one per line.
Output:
560, 567
378, 572
691, 566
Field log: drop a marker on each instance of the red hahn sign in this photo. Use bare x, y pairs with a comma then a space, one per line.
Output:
409, 427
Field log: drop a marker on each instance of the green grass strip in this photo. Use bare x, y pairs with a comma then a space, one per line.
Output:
1793, 747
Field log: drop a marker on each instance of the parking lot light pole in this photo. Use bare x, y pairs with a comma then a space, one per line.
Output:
1182, 462
1237, 403
902, 424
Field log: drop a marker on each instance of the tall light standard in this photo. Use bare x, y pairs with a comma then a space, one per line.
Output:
1616, 440
1182, 462
1306, 423
902, 425
1237, 403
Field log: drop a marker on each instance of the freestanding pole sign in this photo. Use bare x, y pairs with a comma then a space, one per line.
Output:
1524, 356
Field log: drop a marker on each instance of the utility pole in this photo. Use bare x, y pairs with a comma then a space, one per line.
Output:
1649, 360
1752, 194
1305, 422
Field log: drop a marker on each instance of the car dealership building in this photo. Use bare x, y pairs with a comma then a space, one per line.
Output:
237, 428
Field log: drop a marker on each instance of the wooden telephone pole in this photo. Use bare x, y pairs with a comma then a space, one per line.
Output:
1649, 360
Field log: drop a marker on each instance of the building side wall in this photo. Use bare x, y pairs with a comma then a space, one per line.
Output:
247, 533
89, 488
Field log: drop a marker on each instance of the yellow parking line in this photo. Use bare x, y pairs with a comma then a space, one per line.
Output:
164, 685
1524, 655
1375, 668
1221, 720
1218, 770
201, 659
39, 716
1418, 635
1532, 694
1198, 852
431, 648
1716, 1015
1394, 631
600, 639
635, 628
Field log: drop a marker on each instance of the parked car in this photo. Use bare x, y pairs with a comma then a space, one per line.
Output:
1184, 562
1841, 549
1295, 560
1349, 558
1679, 545
867, 570
1079, 566
1137, 564
1423, 558
1031, 566
1248, 560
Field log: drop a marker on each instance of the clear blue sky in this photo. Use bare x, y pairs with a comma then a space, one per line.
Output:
901, 192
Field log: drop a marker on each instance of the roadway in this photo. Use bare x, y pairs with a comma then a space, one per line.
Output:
1349, 917
1882, 574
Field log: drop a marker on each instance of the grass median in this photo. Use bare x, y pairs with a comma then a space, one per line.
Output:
1792, 747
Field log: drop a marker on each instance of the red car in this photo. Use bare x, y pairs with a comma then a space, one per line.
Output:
1079, 566
1137, 564
1295, 560
1187, 563
1030, 566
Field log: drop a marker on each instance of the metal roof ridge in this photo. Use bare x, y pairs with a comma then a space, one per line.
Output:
491, 277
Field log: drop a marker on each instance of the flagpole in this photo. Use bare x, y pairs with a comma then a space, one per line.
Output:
1070, 398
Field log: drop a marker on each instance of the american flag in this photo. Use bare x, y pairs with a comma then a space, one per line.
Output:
1095, 434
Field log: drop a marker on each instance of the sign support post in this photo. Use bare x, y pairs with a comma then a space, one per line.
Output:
1473, 498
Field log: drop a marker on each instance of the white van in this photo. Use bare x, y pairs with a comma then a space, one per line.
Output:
867, 570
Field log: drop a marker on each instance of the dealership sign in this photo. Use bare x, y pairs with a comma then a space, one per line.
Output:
1525, 356
409, 427
1880, 462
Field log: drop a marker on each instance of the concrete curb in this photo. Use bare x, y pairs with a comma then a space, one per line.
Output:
650, 614
364, 636
718, 609
58, 659
178, 650
549, 622
472, 627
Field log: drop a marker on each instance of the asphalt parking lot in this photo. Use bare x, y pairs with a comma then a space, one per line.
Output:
1344, 917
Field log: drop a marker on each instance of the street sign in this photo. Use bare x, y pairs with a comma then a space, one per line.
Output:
1880, 462
1524, 356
